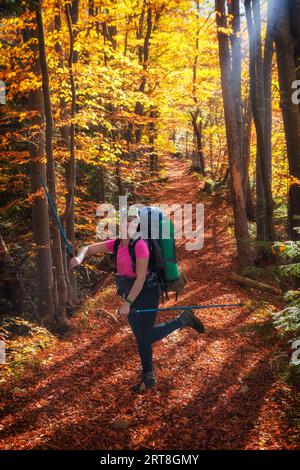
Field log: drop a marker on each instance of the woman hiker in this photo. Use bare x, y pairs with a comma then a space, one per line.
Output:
143, 292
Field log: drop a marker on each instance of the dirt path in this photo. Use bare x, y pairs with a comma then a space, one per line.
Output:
215, 391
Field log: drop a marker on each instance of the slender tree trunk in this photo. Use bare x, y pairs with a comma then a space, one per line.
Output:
187, 145
40, 217
236, 48
143, 51
264, 215
64, 130
46, 307
197, 154
71, 164
62, 319
73, 8
267, 72
70, 275
101, 184
247, 129
197, 157
143, 56
119, 179
286, 36
109, 33
263, 231
245, 257
153, 159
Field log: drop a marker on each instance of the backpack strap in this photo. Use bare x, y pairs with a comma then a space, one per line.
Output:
155, 259
116, 246
131, 249
153, 262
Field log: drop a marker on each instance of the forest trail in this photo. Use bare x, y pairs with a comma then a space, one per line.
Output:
215, 391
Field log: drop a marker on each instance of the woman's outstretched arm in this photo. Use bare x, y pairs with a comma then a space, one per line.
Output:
88, 251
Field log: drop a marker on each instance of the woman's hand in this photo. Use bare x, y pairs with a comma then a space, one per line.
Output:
77, 260
74, 262
124, 309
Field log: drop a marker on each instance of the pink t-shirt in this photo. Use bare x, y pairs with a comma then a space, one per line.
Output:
124, 261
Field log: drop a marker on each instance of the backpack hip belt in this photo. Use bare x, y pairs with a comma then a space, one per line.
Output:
125, 283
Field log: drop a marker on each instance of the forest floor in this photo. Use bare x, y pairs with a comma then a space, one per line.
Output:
219, 390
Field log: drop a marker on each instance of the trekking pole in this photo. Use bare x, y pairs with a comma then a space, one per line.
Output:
190, 307
62, 232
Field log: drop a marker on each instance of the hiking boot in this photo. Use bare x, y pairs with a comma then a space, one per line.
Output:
146, 382
188, 318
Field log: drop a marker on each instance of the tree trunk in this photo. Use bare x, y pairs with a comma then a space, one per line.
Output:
245, 257
153, 159
287, 42
197, 154
101, 184
65, 131
40, 217
46, 307
62, 320
254, 284
143, 51
235, 39
247, 129
71, 164
267, 73
73, 8
143, 59
264, 213
197, 157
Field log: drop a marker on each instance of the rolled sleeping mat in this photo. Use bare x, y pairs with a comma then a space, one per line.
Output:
168, 249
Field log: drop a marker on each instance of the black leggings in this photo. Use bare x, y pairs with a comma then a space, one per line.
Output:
142, 325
